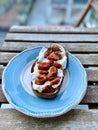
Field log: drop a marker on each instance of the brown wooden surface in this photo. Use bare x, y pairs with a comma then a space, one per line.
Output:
52, 30
51, 37
2, 37
73, 120
72, 47
91, 59
83, 43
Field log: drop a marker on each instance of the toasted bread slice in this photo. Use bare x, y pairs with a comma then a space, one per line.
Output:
46, 95
51, 94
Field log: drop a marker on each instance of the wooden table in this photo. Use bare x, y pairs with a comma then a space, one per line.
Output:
83, 43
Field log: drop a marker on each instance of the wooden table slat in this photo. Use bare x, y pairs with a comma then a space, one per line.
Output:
72, 47
6, 57
92, 74
86, 59
73, 120
51, 37
1, 70
2, 97
52, 29
91, 95
2, 37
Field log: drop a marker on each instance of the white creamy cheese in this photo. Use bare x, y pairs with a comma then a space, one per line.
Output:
39, 88
60, 74
63, 61
41, 55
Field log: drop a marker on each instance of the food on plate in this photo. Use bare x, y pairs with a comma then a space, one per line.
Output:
48, 71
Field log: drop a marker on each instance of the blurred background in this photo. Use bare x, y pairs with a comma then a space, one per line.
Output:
44, 12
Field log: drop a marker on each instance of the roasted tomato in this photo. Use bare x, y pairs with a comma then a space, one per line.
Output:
55, 48
47, 53
58, 54
43, 66
48, 89
52, 71
39, 82
51, 62
57, 65
54, 56
50, 78
43, 72
42, 78
55, 81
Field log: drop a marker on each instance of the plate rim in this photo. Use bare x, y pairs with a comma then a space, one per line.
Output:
42, 115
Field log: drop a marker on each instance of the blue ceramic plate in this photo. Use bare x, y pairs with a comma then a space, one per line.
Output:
17, 86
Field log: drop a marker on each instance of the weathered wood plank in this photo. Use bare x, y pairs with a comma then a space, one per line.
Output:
92, 74
2, 97
86, 59
72, 47
5, 57
51, 37
2, 37
1, 70
73, 120
52, 29
91, 95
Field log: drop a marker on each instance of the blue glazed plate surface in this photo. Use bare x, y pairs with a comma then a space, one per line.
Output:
16, 85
